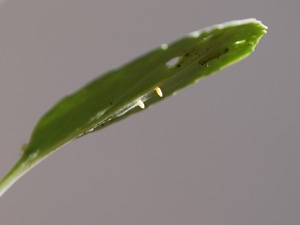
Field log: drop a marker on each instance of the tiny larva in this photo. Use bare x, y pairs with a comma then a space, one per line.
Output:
141, 103
158, 91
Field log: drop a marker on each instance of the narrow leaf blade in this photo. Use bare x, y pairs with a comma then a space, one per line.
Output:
118, 93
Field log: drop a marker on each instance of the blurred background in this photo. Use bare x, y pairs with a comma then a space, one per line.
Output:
224, 151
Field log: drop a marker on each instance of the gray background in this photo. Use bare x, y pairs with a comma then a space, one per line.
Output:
222, 152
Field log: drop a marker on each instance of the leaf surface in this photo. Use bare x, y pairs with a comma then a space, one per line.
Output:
117, 94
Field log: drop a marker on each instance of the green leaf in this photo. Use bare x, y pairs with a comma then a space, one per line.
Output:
115, 95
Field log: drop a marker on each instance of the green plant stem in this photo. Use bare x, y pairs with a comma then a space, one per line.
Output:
25, 163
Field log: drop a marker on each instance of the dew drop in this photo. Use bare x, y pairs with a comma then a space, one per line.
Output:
164, 46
